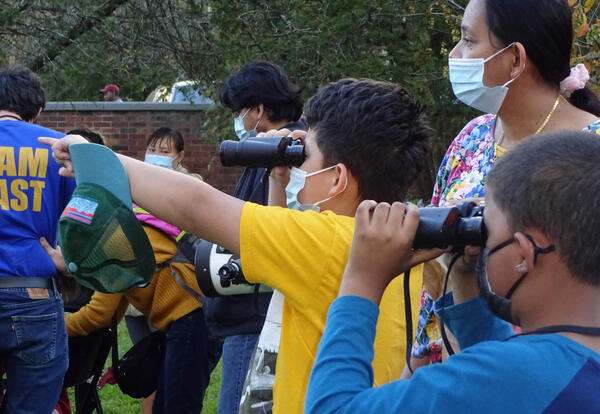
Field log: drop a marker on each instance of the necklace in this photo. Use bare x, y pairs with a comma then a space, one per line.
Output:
549, 116
499, 151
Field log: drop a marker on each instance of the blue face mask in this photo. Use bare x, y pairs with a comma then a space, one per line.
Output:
240, 130
297, 180
466, 76
159, 160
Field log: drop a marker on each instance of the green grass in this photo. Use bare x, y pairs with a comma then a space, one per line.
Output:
115, 402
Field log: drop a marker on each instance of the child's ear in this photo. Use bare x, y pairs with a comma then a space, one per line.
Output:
340, 180
527, 252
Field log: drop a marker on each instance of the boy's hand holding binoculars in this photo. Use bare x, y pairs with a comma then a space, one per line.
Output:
382, 248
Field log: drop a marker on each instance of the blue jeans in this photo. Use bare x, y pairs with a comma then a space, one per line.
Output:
237, 350
33, 342
187, 363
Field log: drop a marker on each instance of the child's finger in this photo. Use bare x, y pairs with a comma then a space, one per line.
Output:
410, 223
273, 133
411, 218
299, 134
397, 213
422, 256
363, 213
381, 214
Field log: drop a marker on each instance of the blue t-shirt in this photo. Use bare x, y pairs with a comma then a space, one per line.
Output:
32, 197
547, 373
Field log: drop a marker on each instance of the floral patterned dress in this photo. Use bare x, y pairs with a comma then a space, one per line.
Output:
461, 175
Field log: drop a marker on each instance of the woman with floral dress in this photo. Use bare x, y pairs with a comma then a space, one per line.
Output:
512, 62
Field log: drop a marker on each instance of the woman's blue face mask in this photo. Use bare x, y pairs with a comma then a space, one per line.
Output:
466, 77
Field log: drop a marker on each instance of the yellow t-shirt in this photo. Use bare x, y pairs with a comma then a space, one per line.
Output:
303, 255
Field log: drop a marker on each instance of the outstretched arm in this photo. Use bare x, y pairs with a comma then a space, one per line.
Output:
171, 196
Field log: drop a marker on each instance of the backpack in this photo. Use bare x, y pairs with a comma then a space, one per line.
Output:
137, 372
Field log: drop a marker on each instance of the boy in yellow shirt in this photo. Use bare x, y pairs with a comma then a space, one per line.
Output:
366, 140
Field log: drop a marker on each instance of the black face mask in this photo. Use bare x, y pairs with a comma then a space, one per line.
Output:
500, 305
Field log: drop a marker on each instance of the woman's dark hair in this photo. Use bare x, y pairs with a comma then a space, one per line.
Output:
545, 29
174, 138
92, 136
263, 83
21, 92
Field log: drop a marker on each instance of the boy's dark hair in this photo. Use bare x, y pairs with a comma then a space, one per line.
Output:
545, 29
21, 92
173, 138
376, 129
263, 83
92, 136
551, 183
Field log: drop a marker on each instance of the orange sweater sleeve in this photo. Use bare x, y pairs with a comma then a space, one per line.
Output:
97, 314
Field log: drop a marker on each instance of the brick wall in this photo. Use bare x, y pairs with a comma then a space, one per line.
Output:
127, 126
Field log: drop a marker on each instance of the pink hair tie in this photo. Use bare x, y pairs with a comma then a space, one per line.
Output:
576, 80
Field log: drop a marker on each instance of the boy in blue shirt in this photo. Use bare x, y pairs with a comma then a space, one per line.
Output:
33, 340
543, 269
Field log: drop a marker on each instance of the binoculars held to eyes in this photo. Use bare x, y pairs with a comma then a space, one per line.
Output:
459, 226
263, 152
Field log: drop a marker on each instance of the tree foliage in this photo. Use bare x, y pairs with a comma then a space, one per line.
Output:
78, 46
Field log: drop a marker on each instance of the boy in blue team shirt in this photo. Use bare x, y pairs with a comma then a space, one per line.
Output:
33, 340
543, 273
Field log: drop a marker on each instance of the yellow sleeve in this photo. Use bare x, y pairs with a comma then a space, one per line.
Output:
301, 254
97, 314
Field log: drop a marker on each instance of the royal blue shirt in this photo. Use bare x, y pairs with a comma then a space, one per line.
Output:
32, 197
547, 373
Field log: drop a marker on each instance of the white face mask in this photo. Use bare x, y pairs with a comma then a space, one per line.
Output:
297, 180
466, 76
240, 129
159, 160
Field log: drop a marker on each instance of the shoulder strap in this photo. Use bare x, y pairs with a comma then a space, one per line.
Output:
185, 287
115, 345
186, 251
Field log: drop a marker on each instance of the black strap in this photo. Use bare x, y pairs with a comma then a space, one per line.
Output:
408, 315
115, 346
26, 282
584, 330
442, 325
515, 286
